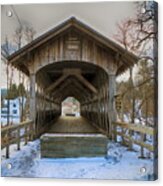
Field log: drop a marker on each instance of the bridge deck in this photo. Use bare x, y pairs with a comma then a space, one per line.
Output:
73, 137
69, 124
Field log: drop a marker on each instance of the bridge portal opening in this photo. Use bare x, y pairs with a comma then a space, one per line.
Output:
70, 107
76, 88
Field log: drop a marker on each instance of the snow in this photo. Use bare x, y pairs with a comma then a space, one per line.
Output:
71, 135
13, 120
118, 164
12, 150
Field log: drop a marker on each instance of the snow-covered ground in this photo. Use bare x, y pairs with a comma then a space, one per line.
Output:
118, 164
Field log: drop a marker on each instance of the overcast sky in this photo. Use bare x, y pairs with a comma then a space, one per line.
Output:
103, 17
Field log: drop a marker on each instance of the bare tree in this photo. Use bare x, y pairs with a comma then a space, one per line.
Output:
22, 35
146, 22
126, 37
29, 33
18, 37
139, 35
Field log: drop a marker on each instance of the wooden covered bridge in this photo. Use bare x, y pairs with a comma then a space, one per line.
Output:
72, 60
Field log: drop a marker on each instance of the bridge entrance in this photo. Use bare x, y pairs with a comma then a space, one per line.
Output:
77, 88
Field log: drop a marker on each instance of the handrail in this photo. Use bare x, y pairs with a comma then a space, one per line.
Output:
136, 127
13, 127
128, 138
12, 134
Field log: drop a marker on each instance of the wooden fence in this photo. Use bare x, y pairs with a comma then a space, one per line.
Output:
15, 134
24, 131
127, 131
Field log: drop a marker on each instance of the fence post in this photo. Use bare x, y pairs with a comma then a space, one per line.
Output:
7, 146
130, 148
141, 148
114, 131
123, 141
26, 136
31, 131
18, 136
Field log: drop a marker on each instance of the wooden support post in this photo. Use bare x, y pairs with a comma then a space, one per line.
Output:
33, 101
111, 106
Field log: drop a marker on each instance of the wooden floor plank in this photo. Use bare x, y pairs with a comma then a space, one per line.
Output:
69, 124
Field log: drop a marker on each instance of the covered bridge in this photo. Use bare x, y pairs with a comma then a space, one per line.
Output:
73, 60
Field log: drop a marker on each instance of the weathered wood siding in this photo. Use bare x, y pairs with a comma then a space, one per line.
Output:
73, 46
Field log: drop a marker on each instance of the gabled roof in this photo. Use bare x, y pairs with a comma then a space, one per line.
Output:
73, 22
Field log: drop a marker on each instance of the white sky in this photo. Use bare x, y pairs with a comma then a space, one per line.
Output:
102, 16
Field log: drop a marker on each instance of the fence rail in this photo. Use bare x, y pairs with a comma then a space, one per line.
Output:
15, 133
126, 132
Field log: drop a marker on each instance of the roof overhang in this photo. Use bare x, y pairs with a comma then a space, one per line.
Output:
127, 56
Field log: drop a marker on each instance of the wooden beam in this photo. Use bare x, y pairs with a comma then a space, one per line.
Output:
70, 85
137, 142
60, 89
135, 127
72, 92
72, 72
86, 71
86, 83
56, 83
66, 72
82, 88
